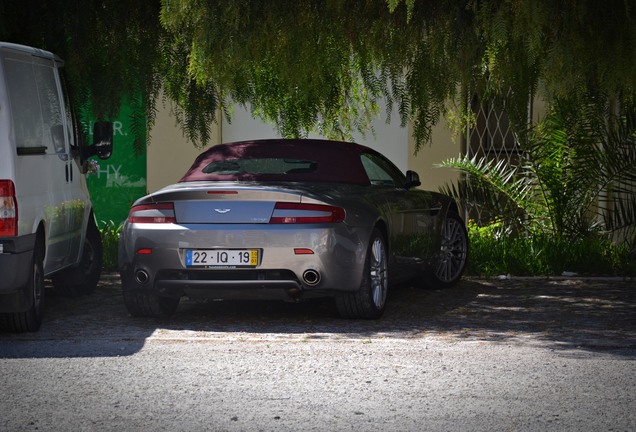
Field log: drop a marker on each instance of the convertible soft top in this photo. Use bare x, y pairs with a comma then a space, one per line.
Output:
303, 160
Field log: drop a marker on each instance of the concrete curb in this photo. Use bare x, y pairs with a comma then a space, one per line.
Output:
555, 278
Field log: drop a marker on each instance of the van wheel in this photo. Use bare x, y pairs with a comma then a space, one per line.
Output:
31, 319
83, 278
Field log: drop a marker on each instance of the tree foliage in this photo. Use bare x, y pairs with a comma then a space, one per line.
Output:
324, 64
111, 50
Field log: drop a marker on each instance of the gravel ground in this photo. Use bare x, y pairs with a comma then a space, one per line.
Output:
514, 355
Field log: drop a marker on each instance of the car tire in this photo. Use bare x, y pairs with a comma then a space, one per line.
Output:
150, 305
31, 319
453, 254
83, 278
370, 300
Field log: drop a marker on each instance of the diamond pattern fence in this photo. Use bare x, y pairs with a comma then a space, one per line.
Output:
491, 136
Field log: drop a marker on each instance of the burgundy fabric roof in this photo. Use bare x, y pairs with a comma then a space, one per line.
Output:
336, 161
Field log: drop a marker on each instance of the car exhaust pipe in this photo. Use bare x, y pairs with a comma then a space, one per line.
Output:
311, 277
141, 276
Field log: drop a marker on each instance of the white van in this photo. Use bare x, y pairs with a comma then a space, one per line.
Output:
47, 227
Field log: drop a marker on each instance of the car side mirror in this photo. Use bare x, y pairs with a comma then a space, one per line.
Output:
103, 139
412, 179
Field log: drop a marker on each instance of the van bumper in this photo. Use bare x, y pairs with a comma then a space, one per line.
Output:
16, 261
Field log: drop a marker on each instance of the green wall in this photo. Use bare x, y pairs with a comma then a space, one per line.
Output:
121, 179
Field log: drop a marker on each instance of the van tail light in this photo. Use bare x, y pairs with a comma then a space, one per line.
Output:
152, 213
298, 213
8, 209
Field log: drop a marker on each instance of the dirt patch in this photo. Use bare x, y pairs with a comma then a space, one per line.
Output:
583, 313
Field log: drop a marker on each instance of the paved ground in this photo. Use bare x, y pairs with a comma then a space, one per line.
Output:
485, 355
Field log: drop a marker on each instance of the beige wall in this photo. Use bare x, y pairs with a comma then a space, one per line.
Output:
169, 154
442, 146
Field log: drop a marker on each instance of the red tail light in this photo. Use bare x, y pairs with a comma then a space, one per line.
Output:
8, 209
297, 213
152, 213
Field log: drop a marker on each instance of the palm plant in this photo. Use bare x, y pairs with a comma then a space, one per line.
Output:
577, 175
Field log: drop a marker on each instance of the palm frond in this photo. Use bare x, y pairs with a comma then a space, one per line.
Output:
493, 187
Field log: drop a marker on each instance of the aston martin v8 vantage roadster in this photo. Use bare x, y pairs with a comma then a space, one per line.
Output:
290, 220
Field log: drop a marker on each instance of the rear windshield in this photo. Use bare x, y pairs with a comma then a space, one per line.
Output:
280, 160
261, 166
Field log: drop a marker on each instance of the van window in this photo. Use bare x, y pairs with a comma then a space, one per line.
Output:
71, 122
51, 107
35, 104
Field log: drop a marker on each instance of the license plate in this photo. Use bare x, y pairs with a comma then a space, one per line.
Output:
221, 257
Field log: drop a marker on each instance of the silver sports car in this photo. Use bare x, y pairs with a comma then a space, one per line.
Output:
290, 220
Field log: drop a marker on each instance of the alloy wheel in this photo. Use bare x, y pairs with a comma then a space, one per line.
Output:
378, 273
453, 251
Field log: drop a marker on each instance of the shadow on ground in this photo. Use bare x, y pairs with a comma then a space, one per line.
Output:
591, 315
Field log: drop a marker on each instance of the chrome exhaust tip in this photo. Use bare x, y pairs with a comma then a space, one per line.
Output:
141, 277
311, 277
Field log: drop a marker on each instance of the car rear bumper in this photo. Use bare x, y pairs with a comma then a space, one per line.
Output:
334, 266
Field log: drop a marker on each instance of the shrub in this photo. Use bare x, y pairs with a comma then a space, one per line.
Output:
495, 251
575, 178
110, 240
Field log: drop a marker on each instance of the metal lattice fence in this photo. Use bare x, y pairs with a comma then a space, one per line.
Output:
491, 136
